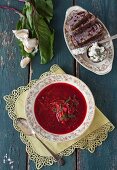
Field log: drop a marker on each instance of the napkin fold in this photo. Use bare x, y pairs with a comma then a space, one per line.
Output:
93, 137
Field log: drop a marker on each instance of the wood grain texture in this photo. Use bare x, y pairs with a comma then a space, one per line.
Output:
11, 77
65, 60
104, 89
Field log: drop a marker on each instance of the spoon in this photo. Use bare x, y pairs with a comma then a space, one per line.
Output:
108, 39
82, 50
23, 125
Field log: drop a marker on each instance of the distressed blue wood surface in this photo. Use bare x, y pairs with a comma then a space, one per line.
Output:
104, 89
11, 77
64, 59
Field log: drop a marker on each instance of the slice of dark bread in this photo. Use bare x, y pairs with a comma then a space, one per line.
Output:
77, 19
90, 21
91, 33
83, 28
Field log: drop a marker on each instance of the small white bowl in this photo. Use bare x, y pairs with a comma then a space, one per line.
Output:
63, 78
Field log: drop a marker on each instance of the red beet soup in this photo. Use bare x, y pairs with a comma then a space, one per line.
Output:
60, 108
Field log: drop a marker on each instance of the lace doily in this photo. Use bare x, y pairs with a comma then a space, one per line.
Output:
89, 142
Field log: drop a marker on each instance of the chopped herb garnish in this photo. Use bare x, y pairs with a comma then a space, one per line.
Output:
71, 116
66, 116
61, 108
54, 109
65, 109
76, 103
67, 101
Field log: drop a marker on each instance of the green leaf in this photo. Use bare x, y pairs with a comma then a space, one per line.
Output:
37, 13
44, 8
45, 37
29, 10
19, 25
26, 23
22, 24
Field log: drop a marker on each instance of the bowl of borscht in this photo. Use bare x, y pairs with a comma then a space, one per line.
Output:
59, 107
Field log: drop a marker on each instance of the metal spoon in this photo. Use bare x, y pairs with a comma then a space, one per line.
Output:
23, 125
108, 39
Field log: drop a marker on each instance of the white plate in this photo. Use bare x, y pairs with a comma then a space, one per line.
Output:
41, 84
100, 68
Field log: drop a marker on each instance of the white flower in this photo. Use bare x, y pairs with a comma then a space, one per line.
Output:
21, 34
24, 62
30, 44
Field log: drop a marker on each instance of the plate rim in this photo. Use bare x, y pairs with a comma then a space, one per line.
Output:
50, 136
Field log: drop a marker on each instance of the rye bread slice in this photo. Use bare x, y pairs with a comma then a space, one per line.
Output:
76, 20
91, 33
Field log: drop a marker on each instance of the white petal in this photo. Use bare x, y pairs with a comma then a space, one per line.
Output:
31, 43
24, 62
35, 50
28, 50
21, 34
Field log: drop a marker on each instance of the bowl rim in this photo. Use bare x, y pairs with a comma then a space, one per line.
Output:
30, 100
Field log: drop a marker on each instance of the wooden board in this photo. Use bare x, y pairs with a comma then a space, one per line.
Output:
64, 59
104, 89
11, 77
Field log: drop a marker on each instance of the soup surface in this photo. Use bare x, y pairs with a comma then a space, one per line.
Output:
60, 108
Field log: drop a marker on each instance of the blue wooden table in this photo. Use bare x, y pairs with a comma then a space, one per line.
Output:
12, 76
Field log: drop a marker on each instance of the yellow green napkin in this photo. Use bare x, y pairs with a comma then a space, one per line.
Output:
99, 121
93, 137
